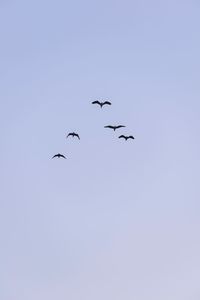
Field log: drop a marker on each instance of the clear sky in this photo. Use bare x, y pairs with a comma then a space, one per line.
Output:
116, 220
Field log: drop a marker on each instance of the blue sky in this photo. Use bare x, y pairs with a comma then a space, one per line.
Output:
115, 220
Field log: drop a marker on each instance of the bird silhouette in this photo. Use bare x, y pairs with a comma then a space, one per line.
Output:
73, 134
126, 137
114, 127
59, 156
102, 103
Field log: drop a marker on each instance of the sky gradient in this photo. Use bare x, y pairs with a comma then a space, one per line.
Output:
116, 220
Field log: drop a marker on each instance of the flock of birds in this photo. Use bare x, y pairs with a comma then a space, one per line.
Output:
114, 127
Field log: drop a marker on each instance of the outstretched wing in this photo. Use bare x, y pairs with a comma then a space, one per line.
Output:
107, 102
70, 134
122, 136
131, 137
59, 155
96, 102
109, 126
76, 134
120, 126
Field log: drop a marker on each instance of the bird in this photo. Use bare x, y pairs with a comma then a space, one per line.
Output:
114, 127
102, 103
126, 137
59, 156
73, 134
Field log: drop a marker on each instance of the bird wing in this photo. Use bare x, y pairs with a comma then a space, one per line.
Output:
96, 102
131, 137
122, 136
120, 126
107, 102
76, 134
109, 126
70, 134
62, 156
55, 155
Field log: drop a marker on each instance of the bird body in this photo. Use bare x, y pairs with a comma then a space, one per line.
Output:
59, 156
114, 127
73, 134
101, 104
126, 137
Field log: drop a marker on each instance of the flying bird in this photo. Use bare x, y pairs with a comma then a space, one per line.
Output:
126, 137
114, 127
73, 134
102, 103
59, 156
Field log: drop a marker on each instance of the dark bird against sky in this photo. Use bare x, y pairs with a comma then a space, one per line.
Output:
59, 156
114, 127
73, 134
102, 103
126, 137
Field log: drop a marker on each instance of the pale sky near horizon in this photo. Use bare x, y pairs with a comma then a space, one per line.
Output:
116, 220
